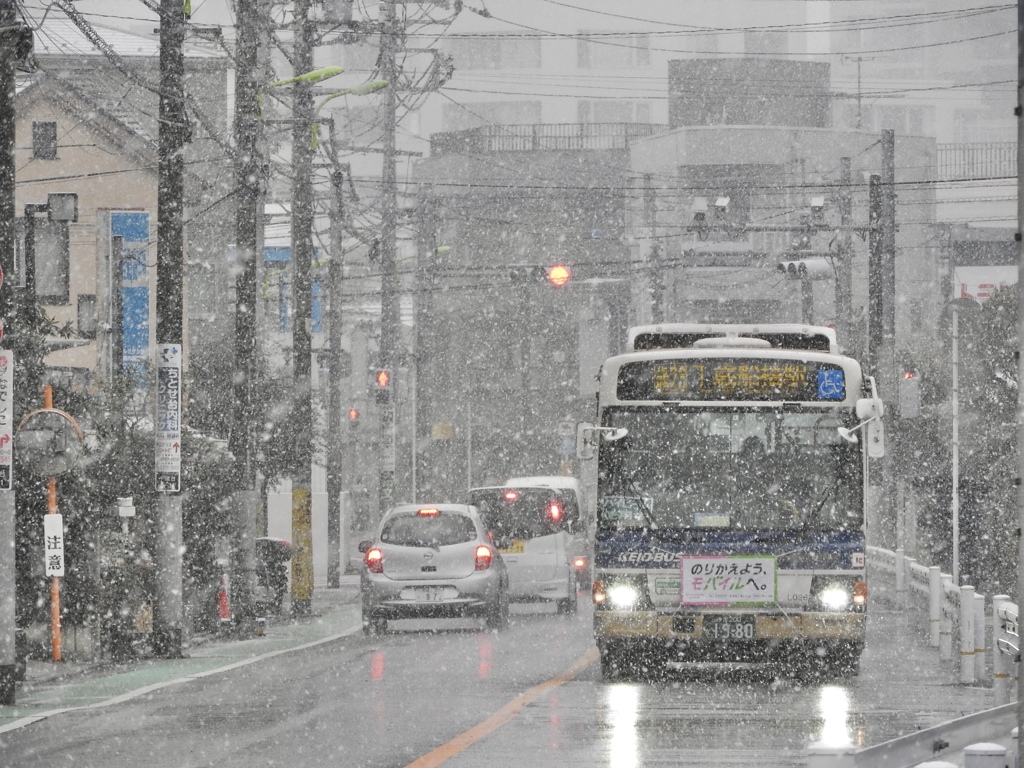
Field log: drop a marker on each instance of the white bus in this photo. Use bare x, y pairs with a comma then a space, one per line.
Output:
730, 488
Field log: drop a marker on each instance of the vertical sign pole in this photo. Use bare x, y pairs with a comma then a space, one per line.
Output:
53, 539
8, 644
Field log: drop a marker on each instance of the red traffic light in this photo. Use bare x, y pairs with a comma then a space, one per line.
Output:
353, 414
382, 378
559, 275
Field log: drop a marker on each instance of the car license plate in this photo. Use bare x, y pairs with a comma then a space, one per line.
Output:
515, 547
729, 626
430, 594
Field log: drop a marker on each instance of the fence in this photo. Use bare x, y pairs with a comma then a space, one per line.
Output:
956, 615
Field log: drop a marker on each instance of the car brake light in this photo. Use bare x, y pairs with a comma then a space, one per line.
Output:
510, 495
555, 512
579, 563
597, 593
483, 557
428, 512
375, 560
860, 593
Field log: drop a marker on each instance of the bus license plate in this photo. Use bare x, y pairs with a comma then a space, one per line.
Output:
729, 626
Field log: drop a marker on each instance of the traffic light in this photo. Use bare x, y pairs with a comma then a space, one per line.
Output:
910, 395
353, 417
813, 269
557, 274
380, 384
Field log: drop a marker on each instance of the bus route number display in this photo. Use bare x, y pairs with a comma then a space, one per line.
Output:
731, 379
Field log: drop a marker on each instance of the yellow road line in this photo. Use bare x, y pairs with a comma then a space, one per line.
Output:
502, 716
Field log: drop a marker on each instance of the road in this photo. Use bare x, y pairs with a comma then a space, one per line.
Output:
460, 697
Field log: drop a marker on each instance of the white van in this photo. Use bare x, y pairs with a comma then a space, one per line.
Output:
578, 515
530, 526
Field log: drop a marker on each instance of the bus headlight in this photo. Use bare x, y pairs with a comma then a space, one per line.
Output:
623, 597
621, 592
839, 593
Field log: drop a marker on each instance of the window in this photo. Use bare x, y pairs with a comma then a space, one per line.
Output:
610, 50
52, 259
44, 140
456, 117
87, 315
614, 111
495, 52
769, 42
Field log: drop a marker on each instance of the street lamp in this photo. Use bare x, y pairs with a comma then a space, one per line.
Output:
956, 306
360, 90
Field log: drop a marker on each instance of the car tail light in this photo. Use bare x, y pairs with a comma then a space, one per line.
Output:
374, 560
579, 563
555, 511
860, 593
483, 557
597, 593
428, 512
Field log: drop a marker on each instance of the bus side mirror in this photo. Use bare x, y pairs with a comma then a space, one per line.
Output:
586, 441
875, 434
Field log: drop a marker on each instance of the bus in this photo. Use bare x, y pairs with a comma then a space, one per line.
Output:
731, 470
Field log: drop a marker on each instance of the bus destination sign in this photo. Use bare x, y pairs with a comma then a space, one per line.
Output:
731, 379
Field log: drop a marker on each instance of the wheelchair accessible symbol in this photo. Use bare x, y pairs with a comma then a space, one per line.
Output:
831, 385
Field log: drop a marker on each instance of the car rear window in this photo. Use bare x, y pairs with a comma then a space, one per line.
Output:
413, 530
521, 514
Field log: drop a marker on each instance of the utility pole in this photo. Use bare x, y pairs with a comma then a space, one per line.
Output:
885, 362
655, 256
844, 281
336, 523
390, 328
8, 661
168, 615
1019, 112
242, 443
302, 345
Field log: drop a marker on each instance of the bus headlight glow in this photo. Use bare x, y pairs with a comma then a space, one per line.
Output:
623, 596
834, 598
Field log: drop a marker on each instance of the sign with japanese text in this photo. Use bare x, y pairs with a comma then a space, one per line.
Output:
168, 418
6, 419
726, 580
53, 546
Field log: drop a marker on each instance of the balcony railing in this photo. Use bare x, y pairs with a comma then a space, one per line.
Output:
521, 138
960, 162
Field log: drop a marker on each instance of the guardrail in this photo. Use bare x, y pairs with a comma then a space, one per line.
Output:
1005, 649
953, 612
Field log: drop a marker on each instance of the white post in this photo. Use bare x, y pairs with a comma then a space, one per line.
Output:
934, 605
901, 580
979, 637
946, 624
956, 446
1000, 661
966, 634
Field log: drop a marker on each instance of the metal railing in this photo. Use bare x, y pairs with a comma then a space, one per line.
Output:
542, 136
987, 160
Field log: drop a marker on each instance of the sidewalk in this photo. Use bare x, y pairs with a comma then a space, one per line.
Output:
50, 687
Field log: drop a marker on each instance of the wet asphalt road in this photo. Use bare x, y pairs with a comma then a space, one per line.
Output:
464, 697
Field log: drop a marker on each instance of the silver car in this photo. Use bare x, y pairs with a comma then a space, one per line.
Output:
434, 561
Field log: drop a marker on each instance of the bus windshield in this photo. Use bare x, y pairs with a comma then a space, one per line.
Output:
742, 469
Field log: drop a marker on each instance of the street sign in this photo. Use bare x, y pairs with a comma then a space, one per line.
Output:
53, 544
168, 418
50, 441
6, 419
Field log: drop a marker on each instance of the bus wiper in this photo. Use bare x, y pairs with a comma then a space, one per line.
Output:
647, 513
827, 494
